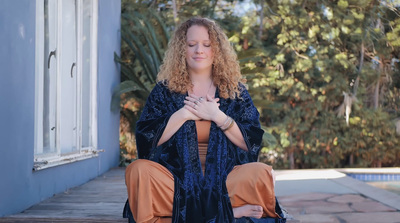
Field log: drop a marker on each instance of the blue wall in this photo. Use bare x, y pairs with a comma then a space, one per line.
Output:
20, 187
109, 39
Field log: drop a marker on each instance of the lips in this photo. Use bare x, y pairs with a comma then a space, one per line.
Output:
198, 58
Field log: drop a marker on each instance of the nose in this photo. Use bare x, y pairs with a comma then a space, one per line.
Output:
199, 49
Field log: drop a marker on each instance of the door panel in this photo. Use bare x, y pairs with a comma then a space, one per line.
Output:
68, 76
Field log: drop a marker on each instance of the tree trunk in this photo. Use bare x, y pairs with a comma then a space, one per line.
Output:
175, 11
212, 11
291, 153
357, 82
376, 94
260, 28
351, 160
291, 159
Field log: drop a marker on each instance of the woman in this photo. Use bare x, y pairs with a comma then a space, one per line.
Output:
199, 137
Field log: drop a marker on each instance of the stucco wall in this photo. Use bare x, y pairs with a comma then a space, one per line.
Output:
20, 187
109, 76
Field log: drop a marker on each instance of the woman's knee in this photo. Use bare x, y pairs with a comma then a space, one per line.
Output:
140, 164
257, 172
136, 168
267, 169
146, 169
257, 168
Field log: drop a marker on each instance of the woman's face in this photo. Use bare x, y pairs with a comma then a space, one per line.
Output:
199, 55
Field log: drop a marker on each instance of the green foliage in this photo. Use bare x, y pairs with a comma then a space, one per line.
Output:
144, 40
314, 55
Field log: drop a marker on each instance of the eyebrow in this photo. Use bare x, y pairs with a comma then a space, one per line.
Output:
207, 40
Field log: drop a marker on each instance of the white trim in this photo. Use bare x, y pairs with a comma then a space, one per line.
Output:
47, 162
94, 62
53, 137
78, 62
59, 55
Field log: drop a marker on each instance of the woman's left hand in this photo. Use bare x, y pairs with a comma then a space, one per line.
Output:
205, 108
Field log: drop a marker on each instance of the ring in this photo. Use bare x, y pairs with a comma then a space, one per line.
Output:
201, 99
196, 102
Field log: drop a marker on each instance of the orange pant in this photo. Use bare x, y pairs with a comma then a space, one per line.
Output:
151, 189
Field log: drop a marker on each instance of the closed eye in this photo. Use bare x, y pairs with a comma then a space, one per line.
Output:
205, 45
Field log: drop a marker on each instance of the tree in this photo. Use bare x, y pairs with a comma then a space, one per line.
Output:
318, 53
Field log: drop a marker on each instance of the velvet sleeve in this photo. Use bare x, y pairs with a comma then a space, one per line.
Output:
249, 124
152, 121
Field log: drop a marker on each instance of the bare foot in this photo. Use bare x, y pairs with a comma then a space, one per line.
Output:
248, 210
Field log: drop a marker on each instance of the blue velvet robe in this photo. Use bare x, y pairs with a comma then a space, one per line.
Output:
198, 198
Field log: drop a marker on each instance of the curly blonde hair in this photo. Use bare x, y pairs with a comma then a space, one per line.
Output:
226, 70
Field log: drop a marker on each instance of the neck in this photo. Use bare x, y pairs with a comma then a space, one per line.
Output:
202, 85
200, 76
202, 80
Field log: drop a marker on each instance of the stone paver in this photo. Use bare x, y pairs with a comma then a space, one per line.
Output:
348, 198
329, 208
377, 194
318, 207
295, 210
292, 221
334, 208
317, 218
306, 197
381, 217
289, 187
330, 196
371, 206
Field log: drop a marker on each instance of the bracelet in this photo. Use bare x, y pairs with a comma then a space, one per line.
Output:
230, 125
226, 121
226, 124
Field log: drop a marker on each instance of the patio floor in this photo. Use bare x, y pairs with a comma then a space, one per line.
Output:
323, 196
100, 200
329, 196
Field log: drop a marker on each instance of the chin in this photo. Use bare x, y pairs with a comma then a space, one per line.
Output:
199, 67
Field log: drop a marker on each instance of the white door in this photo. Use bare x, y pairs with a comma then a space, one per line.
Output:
68, 77
46, 70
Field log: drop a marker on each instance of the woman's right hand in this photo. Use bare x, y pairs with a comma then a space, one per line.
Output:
188, 115
175, 122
